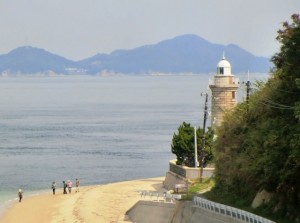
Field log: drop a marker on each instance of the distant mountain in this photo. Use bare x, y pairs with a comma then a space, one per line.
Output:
183, 54
30, 60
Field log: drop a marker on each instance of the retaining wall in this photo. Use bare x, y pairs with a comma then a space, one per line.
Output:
190, 212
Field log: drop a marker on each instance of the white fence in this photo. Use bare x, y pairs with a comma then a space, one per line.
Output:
229, 211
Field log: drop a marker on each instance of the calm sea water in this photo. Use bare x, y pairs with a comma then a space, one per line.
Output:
97, 129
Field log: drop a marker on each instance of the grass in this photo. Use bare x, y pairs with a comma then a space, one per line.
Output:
207, 189
218, 195
197, 187
244, 203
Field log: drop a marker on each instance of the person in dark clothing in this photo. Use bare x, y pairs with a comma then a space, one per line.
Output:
53, 187
65, 187
20, 194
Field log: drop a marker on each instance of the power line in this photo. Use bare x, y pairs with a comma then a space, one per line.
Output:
273, 88
277, 104
266, 102
274, 106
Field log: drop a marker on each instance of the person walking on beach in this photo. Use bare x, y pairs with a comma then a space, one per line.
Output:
77, 185
53, 187
70, 186
65, 187
20, 194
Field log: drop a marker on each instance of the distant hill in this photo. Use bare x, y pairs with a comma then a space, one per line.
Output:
30, 60
187, 53
183, 54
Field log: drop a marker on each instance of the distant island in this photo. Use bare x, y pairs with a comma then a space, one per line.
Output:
180, 55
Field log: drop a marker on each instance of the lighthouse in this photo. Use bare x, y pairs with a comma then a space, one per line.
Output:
223, 87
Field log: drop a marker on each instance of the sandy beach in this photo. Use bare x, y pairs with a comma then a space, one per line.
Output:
93, 204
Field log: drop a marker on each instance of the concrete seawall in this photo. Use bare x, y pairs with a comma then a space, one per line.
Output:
150, 212
179, 212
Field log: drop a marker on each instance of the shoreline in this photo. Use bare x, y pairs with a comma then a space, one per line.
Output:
11, 199
96, 203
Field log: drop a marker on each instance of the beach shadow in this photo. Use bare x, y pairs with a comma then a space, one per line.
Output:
158, 186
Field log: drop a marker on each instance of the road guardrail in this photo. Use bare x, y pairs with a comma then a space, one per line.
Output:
229, 211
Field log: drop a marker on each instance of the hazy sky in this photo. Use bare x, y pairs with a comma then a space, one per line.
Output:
77, 29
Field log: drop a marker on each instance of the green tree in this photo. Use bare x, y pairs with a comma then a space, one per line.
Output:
183, 145
259, 148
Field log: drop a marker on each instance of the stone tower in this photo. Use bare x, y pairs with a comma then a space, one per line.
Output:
223, 87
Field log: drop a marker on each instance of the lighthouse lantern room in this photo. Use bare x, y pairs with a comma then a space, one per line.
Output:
223, 87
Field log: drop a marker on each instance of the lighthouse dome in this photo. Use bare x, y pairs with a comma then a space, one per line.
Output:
224, 67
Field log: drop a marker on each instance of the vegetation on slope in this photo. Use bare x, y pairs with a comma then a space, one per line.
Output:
197, 188
258, 145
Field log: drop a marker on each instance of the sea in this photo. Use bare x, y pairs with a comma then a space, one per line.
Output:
97, 129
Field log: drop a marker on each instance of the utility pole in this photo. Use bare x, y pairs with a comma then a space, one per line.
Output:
203, 137
195, 141
248, 92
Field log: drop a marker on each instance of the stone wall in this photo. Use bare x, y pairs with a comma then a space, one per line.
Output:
178, 174
171, 179
184, 171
